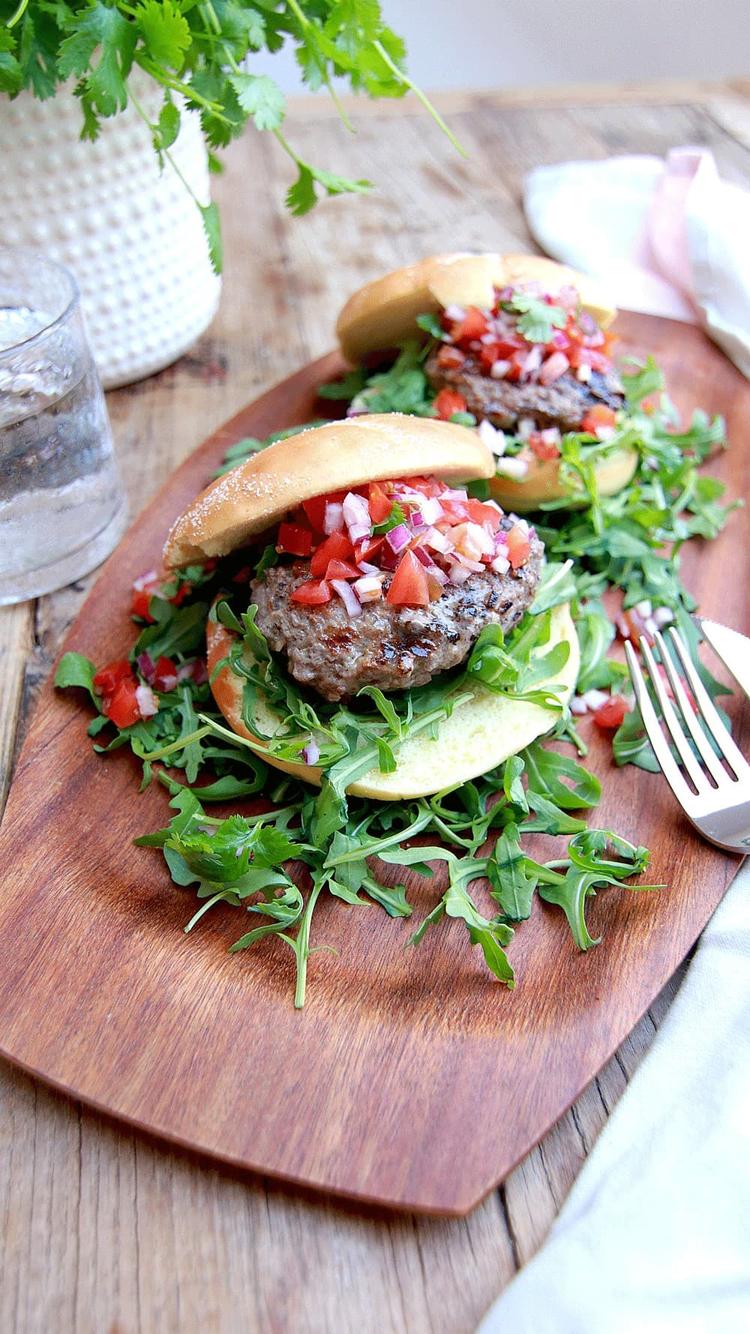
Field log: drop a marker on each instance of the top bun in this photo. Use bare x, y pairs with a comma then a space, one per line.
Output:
334, 457
384, 312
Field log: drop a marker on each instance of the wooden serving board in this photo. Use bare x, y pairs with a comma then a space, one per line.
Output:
410, 1079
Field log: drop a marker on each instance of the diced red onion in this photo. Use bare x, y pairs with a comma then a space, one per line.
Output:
458, 574
553, 368
587, 324
423, 555
454, 312
145, 580
367, 568
356, 516
578, 706
147, 702
438, 574
417, 520
532, 360
369, 588
146, 666
475, 566
333, 520
643, 608
662, 616
550, 435
398, 538
200, 671
594, 699
583, 374
568, 298
499, 369
559, 340
454, 493
525, 428
437, 541
500, 564
489, 337
311, 752
430, 509
185, 671
516, 469
605, 433
348, 596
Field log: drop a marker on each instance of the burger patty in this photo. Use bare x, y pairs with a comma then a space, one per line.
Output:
391, 647
564, 403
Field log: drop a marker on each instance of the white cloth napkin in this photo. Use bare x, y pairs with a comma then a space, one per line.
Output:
655, 1235
668, 237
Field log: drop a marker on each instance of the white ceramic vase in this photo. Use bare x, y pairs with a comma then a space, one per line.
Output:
129, 231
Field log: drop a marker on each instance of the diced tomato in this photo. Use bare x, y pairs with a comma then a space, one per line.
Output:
380, 503
612, 713
429, 486
122, 709
447, 402
335, 547
182, 592
108, 678
409, 587
165, 674
450, 358
341, 569
312, 593
481, 513
489, 353
368, 548
542, 448
315, 509
140, 603
598, 416
519, 546
455, 511
294, 539
473, 325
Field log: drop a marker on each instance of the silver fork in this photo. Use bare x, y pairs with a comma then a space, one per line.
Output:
719, 805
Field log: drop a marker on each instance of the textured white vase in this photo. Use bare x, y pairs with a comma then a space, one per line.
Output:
129, 231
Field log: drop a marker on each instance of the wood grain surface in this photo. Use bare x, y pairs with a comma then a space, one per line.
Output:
99, 1227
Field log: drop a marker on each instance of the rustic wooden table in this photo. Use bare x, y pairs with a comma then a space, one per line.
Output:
102, 1229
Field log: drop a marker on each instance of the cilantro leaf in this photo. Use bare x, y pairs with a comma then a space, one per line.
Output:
261, 97
537, 317
165, 30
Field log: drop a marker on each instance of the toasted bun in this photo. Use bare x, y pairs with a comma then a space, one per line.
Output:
543, 483
342, 454
384, 312
479, 735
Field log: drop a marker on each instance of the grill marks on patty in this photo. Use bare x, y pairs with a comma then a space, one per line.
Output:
391, 647
564, 403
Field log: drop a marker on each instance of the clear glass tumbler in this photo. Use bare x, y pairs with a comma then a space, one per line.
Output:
62, 506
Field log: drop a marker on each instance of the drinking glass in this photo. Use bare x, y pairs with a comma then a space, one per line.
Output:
62, 506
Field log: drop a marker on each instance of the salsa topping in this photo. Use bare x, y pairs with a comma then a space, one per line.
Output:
399, 540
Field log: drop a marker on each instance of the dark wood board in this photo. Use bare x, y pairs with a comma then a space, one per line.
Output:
410, 1079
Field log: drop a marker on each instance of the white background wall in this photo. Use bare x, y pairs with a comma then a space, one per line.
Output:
509, 43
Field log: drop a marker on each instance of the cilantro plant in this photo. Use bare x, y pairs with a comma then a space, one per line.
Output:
199, 53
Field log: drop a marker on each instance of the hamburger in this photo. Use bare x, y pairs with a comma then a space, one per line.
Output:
518, 346
362, 566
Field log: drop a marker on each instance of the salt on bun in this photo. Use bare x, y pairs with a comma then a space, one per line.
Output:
543, 481
479, 735
340, 455
383, 313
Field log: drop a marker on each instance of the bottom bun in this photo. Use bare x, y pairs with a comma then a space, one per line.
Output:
478, 736
542, 482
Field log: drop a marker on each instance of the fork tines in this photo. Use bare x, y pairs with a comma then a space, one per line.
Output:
692, 722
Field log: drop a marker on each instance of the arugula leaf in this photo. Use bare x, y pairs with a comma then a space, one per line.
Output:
74, 669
